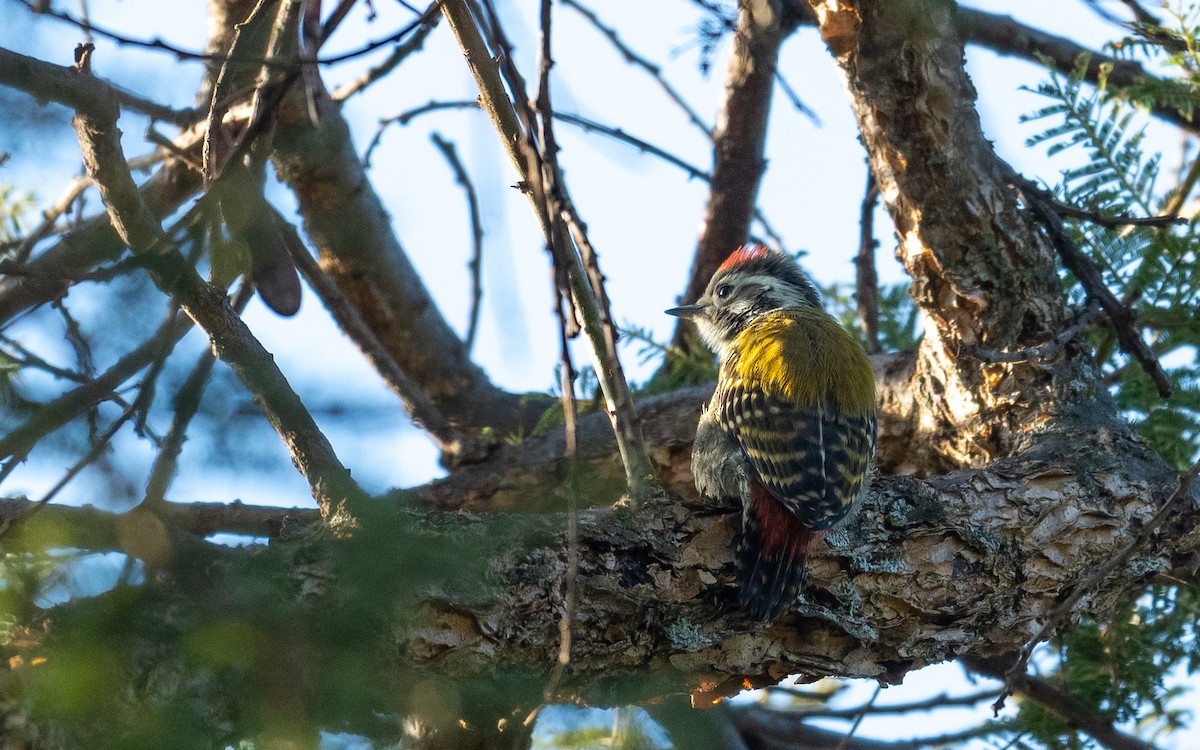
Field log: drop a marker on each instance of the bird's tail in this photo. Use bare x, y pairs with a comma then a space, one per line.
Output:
770, 555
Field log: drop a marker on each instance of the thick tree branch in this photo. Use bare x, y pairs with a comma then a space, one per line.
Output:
924, 571
982, 282
1006, 36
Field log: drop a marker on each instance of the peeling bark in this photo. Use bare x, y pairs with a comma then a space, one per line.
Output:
981, 271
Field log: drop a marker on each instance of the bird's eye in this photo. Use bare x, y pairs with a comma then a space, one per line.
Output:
723, 291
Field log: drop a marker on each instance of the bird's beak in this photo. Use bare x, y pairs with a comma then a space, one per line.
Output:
686, 311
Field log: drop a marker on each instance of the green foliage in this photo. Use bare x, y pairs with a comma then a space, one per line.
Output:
1119, 670
680, 367
899, 316
1155, 268
1175, 44
14, 207
1116, 670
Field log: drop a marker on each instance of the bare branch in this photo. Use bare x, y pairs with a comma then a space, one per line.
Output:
358, 248
17, 444
89, 528
633, 58
1121, 317
740, 137
866, 287
1058, 700
1006, 36
407, 47
548, 196
185, 54
475, 265
95, 124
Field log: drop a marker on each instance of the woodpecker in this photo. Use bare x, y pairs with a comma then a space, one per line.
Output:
790, 430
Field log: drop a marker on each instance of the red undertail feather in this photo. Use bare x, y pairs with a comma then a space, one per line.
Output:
771, 555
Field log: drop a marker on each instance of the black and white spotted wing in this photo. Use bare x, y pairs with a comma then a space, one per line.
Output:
812, 459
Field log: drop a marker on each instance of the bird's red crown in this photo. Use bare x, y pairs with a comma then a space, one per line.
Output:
744, 254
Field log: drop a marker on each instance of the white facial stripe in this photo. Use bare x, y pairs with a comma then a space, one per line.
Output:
785, 295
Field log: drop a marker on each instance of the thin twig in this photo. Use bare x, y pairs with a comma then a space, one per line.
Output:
334, 20
79, 343
97, 447
1058, 700
1122, 318
74, 189
866, 287
186, 404
185, 54
586, 124
518, 130
571, 453
928, 704
1067, 211
1041, 351
794, 98
858, 718
637, 60
22, 357
96, 113
55, 414
1146, 269
475, 264
407, 47
1097, 575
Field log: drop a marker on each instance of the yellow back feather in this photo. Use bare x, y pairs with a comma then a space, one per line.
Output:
804, 356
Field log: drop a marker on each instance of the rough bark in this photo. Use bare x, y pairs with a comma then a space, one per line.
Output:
924, 571
981, 270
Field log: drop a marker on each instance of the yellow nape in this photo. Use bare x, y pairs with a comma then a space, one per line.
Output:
806, 357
